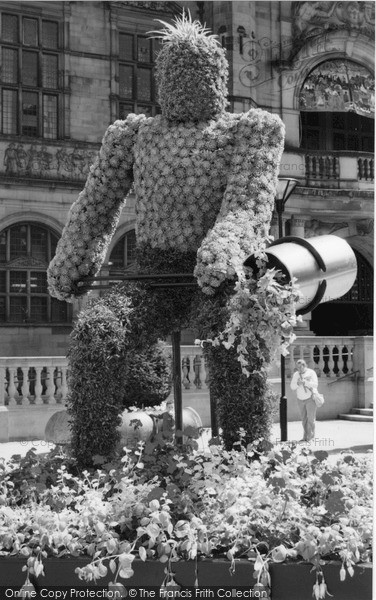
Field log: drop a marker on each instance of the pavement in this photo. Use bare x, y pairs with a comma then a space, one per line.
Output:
333, 436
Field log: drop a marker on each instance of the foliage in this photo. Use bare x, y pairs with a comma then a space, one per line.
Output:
148, 377
109, 371
163, 503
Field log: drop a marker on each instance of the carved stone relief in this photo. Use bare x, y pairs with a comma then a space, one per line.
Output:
39, 161
316, 227
314, 18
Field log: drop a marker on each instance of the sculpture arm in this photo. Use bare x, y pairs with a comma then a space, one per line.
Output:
243, 221
93, 217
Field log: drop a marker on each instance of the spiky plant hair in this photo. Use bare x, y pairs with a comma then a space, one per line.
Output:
183, 28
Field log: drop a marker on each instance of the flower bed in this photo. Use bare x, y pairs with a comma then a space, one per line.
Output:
173, 507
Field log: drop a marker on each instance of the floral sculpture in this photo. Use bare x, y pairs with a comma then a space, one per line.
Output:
204, 181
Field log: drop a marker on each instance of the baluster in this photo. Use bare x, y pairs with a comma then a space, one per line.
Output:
64, 385
38, 386
311, 359
335, 167
12, 390
314, 166
350, 362
197, 371
25, 385
330, 360
185, 368
57, 379
360, 168
341, 360
328, 160
3, 383
50, 391
308, 166
366, 169
371, 169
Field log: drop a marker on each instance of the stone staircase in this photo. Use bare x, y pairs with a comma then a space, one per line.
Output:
359, 414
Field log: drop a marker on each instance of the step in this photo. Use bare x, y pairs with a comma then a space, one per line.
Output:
352, 417
362, 411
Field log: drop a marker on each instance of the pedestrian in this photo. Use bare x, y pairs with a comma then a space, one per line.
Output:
304, 381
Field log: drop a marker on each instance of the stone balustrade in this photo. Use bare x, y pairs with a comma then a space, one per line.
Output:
43, 380
328, 356
33, 380
336, 169
33, 388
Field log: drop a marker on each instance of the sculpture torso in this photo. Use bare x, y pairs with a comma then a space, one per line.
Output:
180, 173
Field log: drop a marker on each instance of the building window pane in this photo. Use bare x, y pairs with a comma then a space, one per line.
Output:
49, 71
124, 253
50, 118
59, 311
9, 72
24, 294
18, 282
3, 246
50, 35
144, 84
38, 282
30, 114
9, 112
2, 309
39, 247
38, 309
125, 110
18, 241
3, 280
18, 309
143, 49
29, 68
125, 81
9, 28
126, 46
144, 110
30, 32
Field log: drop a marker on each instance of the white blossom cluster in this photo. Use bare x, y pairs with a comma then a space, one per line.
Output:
93, 217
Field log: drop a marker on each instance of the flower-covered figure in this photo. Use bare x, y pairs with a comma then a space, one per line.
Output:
204, 181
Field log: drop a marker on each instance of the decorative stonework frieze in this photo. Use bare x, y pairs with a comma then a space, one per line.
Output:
154, 5
315, 18
36, 160
315, 227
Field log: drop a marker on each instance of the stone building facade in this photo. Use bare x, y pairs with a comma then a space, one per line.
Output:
68, 69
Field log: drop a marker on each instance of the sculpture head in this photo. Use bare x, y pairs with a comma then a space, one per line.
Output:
191, 72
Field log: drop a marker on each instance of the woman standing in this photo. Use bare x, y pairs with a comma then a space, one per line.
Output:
304, 381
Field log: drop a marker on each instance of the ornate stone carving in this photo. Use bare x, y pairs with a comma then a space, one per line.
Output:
314, 18
316, 227
156, 6
47, 163
364, 226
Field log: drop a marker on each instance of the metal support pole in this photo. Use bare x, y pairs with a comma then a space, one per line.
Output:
283, 403
283, 400
176, 377
213, 415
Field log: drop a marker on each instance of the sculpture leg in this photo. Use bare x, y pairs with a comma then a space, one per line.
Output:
242, 402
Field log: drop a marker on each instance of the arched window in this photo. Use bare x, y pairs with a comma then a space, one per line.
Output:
337, 104
25, 252
123, 254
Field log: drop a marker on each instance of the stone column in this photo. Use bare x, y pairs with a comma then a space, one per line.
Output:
297, 225
363, 362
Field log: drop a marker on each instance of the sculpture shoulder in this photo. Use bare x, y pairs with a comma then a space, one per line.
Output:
263, 123
122, 129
